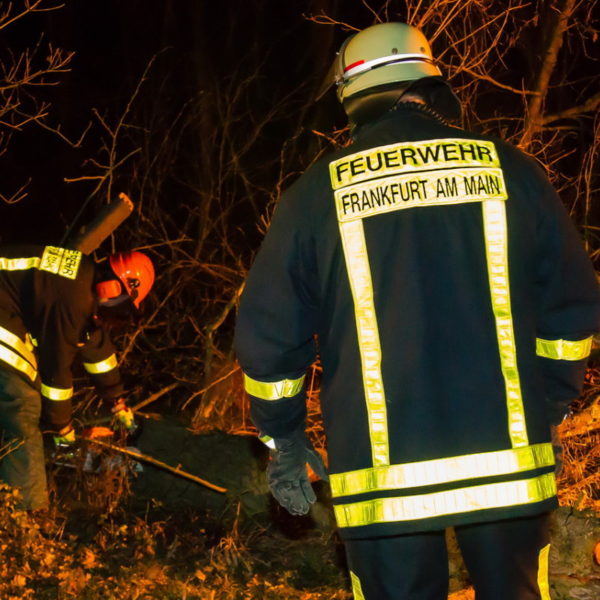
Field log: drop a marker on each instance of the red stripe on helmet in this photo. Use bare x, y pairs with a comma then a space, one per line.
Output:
354, 64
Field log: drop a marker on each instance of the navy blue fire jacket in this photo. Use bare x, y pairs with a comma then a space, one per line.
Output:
47, 309
439, 278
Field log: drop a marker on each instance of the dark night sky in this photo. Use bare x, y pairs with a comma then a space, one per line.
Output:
199, 43
114, 40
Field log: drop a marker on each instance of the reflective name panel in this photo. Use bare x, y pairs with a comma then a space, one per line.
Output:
411, 157
60, 261
442, 470
564, 349
463, 500
275, 390
454, 186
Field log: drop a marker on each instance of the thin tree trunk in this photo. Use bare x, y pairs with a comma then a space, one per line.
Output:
564, 10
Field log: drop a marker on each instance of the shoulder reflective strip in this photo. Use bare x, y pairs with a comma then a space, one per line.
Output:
60, 261
359, 274
496, 241
24, 348
459, 501
275, 390
53, 393
542, 578
443, 470
360, 66
14, 360
19, 264
563, 349
356, 587
102, 366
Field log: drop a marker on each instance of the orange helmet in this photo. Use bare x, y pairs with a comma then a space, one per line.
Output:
135, 271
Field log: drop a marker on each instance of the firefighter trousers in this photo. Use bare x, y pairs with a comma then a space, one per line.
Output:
506, 560
22, 462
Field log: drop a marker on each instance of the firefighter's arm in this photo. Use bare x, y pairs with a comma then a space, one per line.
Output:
569, 306
100, 361
57, 351
274, 342
56, 384
279, 408
277, 321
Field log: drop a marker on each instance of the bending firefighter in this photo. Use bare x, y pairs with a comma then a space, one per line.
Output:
453, 308
56, 305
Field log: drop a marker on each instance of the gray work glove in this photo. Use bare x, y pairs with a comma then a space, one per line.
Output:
287, 475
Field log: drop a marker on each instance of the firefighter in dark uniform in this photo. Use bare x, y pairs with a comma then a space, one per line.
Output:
453, 307
55, 306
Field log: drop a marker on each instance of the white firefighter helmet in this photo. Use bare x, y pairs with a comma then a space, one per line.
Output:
382, 54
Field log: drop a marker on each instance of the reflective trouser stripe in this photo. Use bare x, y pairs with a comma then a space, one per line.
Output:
25, 349
359, 273
52, 393
458, 501
14, 360
356, 587
102, 366
442, 470
564, 349
496, 241
542, 579
274, 390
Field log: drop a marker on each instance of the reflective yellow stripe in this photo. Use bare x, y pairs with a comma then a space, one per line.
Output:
60, 261
564, 349
14, 360
102, 366
542, 578
463, 500
443, 470
356, 587
24, 348
268, 441
359, 274
496, 239
275, 390
53, 393
19, 264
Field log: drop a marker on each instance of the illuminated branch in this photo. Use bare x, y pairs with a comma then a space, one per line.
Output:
590, 105
555, 42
